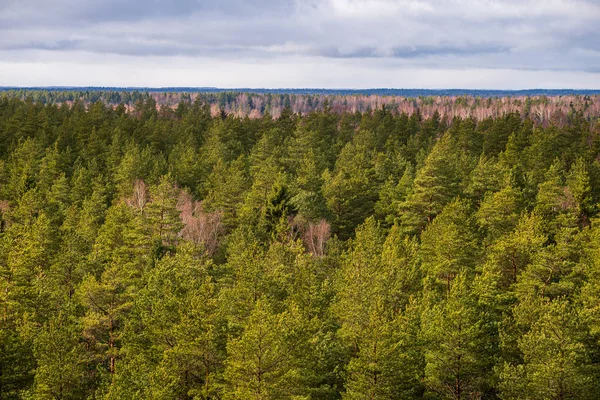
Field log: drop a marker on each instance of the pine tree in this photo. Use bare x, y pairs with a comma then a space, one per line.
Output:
61, 371
498, 212
17, 363
29, 246
351, 190
119, 260
435, 185
226, 187
162, 214
553, 203
578, 183
388, 363
23, 167
279, 207
510, 255
259, 365
370, 307
555, 362
310, 200
185, 164
449, 246
392, 195
454, 353
173, 332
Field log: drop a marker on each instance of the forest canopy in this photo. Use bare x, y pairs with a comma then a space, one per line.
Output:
186, 250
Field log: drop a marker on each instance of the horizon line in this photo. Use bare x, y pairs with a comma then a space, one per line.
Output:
383, 91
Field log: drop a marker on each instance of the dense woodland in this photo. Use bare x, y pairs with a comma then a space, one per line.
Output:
540, 108
171, 253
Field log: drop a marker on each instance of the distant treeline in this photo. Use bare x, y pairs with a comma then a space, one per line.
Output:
326, 92
543, 107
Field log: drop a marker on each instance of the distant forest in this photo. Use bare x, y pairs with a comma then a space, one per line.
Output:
236, 246
316, 91
541, 106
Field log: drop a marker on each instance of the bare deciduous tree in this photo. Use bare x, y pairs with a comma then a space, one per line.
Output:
139, 198
199, 226
314, 234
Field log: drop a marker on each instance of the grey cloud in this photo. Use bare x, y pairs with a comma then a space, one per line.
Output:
522, 34
52, 12
411, 52
335, 52
60, 45
424, 51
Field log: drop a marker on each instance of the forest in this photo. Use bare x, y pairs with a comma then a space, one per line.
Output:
540, 106
154, 251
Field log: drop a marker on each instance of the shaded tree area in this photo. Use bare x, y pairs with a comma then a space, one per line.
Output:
154, 252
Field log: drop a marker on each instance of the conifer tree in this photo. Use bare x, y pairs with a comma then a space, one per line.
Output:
162, 214
498, 212
351, 189
226, 187
555, 362
436, 184
454, 354
259, 365
380, 335
61, 371
449, 246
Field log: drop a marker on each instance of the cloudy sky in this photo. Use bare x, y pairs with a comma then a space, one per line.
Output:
499, 44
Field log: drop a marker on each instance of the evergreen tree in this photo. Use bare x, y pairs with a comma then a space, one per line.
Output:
162, 214
61, 371
449, 246
498, 212
173, 332
388, 363
259, 365
351, 190
380, 337
435, 185
227, 184
555, 362
454, 353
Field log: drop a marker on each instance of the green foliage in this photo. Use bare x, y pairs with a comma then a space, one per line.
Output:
449, 246
435, 185
157, 251
555, 361
62, 362
260, 364
454, 355
351, 189
498, 212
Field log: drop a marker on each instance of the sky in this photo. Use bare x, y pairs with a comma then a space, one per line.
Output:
431, 44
